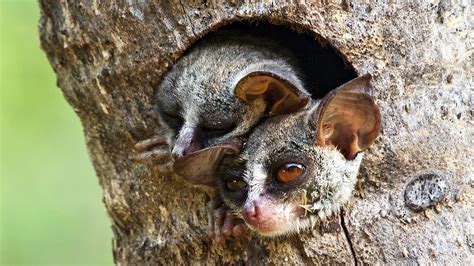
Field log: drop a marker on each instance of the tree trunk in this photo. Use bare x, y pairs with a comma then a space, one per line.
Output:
109, 59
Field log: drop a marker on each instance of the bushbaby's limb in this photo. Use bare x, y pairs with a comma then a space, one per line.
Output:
155, 148
223, 222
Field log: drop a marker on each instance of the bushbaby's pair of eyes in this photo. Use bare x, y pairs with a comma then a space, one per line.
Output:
284, 174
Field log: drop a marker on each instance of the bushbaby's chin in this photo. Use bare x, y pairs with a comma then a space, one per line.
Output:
296, 226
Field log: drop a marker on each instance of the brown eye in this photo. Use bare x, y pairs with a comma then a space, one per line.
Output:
235, 185
289, 172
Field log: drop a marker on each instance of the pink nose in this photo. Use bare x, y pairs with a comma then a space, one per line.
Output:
252, 213
261, 215
269, 216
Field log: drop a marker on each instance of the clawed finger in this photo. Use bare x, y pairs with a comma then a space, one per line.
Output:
239, 228
150, 143
159, 155
219, 216
228, 224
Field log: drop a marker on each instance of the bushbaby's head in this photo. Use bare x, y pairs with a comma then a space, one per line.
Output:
296, 169
283, 182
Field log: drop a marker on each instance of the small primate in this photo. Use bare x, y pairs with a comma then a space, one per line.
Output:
294, 169
220, 89
215, 94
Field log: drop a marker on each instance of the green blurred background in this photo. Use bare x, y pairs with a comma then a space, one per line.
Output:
51, 203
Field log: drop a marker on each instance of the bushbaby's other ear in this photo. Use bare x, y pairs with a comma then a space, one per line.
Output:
199, 167
280, 94
348, 117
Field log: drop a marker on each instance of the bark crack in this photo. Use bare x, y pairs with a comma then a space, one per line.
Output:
346, 233
187, 18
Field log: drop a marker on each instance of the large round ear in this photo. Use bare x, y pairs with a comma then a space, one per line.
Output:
280, 94
348, 118
200, 166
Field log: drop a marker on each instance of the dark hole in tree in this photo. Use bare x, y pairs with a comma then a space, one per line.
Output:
323, 66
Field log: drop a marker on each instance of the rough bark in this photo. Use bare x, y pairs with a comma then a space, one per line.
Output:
109, 58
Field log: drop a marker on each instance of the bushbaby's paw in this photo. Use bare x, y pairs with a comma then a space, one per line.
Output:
224, 223
155, 148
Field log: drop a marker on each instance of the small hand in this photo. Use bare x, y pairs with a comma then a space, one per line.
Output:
223, 222
155, 148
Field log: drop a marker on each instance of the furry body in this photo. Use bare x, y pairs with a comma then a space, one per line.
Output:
200, 88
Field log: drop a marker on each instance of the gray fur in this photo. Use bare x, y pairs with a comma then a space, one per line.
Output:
330, 177
200, 86
200, 89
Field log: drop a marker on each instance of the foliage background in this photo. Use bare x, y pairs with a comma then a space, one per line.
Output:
51, 204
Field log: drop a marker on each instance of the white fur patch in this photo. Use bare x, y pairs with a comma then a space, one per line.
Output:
256, 181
